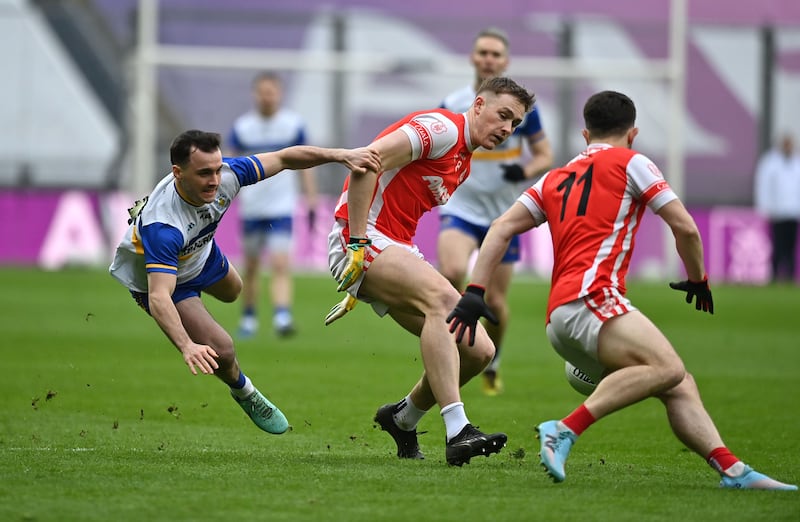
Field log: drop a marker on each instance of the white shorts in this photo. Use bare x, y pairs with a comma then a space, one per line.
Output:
337, 259
574, 327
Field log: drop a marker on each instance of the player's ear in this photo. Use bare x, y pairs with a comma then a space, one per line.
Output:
585, 134
479, 102
632, 135
176, 172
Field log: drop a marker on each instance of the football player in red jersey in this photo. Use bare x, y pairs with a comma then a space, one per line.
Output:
424, 156
593, 206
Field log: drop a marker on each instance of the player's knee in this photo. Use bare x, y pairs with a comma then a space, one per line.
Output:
482, 352
686, 389
226, 353
486, 352
671, 374
438, 299
230, 291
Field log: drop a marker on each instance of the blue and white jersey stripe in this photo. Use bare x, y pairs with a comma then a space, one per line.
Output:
173, 236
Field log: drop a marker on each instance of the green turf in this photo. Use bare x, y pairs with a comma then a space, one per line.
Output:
100, 419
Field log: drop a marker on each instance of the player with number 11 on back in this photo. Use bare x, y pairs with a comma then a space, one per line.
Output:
593, 206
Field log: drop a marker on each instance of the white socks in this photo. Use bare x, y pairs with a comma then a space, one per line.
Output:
455, 418
408, 415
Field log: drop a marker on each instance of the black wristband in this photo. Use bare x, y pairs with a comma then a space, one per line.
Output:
365, 241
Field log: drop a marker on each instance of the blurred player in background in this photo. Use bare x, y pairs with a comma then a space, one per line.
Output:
168, 256
270, 127
497, 177
425, 156
593, 206
777, 197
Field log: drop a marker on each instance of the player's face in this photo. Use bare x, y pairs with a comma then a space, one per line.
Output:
198, 181
267, 95
489, 57
497, 117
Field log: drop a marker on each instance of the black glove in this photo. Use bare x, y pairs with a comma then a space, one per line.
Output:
698, 290
513, 172
470, 308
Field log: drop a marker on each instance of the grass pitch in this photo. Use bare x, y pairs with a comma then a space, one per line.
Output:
101, 420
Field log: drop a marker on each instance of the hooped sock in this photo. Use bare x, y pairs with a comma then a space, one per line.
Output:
407, 415
243, 387
722, 460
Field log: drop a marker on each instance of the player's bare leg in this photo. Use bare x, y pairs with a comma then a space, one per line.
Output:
497, 301
642, 364
248, 324
203, 329
281, 293
648, 366
454, 249
410, 286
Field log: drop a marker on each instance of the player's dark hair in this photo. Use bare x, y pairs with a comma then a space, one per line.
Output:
505, 85
183, 145
609, 113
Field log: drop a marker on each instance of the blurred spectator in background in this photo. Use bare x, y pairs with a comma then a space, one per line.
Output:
777, 197
270, 127
497, 178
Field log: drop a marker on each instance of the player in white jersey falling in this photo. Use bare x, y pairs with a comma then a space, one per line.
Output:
425, 157
497, 177
168, 256
270, 127
593, 206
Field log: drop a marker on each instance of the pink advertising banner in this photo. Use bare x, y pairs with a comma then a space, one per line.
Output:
58, 229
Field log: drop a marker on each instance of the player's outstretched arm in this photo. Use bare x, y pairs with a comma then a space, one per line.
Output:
301, 157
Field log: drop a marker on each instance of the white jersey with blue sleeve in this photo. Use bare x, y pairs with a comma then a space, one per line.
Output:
485, 195
252, 133
173, 236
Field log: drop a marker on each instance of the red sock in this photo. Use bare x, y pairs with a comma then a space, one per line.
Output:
579, 420
721, 459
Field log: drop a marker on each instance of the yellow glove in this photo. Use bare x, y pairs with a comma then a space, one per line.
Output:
355, 262
340, 308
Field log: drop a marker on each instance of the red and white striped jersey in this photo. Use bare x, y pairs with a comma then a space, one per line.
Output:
441, 153
594, 205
